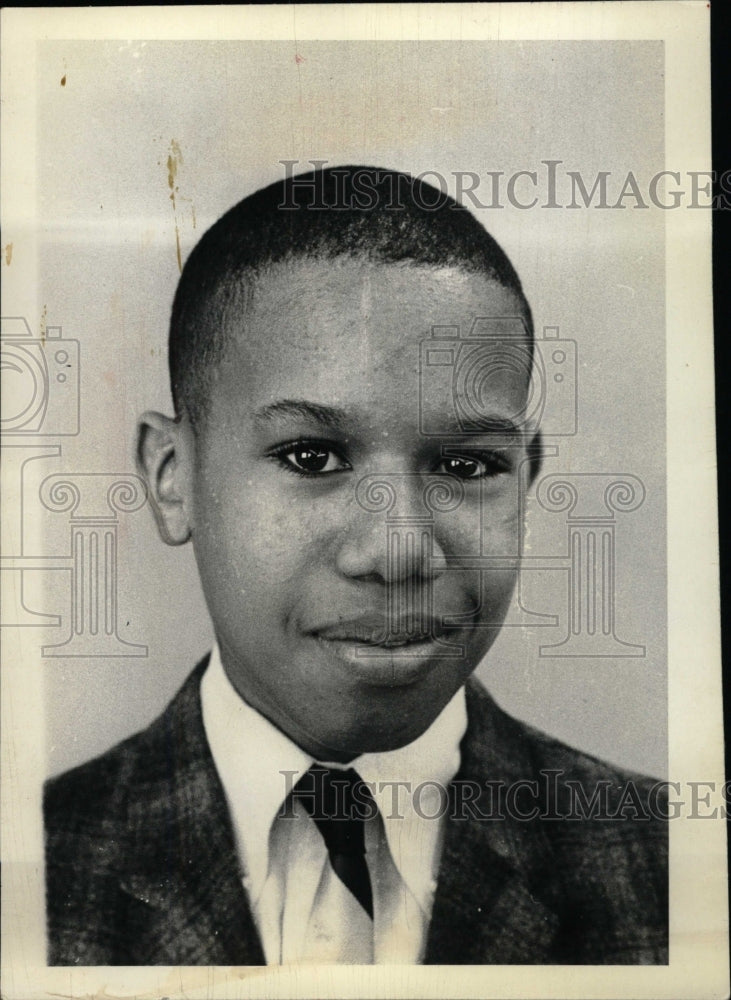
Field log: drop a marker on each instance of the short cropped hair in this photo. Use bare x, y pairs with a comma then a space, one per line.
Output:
358, 212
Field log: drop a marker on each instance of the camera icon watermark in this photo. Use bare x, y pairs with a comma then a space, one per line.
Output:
40, 377
41, 402
468, 381
470, 370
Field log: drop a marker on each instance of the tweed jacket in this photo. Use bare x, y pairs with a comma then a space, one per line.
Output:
141, 865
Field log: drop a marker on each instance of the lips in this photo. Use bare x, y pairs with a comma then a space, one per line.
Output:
380, 630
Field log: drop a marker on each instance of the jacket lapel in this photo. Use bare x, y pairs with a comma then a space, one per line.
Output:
185, 902
488, 906
484, 910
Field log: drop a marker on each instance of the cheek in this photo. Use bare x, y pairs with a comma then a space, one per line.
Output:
486, 525
492, 530
282, 535
502, 531
257, 538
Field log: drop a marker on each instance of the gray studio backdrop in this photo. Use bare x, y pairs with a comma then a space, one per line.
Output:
141, 146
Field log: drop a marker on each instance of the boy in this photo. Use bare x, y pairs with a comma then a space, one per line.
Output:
318, 790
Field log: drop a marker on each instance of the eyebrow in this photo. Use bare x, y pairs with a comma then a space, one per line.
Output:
489, 423
329, 417
336, 418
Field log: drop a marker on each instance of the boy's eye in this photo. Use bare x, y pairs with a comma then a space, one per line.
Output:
473, 468
311, 458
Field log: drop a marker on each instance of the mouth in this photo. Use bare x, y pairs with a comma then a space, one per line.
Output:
390, 653
383, 632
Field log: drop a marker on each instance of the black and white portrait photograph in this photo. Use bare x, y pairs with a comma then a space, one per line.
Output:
360, 628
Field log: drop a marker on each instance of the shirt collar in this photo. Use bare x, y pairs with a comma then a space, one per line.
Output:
241, 738
249, 753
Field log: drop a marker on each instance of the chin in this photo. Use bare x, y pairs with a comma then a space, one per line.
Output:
377, 740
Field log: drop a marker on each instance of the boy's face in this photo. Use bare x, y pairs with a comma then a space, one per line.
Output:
329, 609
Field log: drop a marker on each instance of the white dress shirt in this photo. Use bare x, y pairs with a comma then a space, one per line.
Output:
302, 910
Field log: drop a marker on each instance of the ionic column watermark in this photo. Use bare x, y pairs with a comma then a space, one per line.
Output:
94, 502
590, 502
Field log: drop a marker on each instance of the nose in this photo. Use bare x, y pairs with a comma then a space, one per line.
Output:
392, 535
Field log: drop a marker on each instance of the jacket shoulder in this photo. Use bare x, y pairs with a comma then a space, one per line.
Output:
104, 783
93, 790
595, 836
518, 750
97, 817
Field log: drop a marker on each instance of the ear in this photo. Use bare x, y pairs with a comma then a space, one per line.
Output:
534, 451
165, 461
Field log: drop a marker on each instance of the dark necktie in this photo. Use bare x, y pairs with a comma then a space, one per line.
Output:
340, 803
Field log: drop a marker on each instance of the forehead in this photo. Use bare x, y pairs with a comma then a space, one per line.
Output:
350, 308
351, 333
